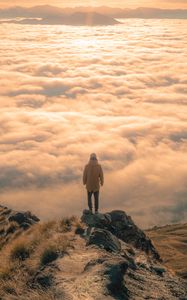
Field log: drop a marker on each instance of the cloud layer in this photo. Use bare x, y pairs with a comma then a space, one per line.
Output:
119, 92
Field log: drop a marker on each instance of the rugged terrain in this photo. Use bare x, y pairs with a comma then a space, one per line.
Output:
103, 256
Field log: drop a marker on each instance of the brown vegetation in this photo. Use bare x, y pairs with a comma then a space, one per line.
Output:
25, 258
171, 243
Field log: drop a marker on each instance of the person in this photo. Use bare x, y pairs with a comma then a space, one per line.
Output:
93, 178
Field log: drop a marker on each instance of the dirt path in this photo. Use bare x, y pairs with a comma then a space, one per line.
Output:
73, 279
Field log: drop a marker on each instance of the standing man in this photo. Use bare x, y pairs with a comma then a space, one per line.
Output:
93, 178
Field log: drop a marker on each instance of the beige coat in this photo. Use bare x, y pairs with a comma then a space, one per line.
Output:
93, 176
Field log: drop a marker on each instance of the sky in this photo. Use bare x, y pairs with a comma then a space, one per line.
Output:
119, 91
116, 3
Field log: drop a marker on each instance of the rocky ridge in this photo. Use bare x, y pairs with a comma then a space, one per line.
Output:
122, 227
113, 259
108, 257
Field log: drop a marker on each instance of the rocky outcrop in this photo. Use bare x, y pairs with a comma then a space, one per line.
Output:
103, 258
97, 220
23, 218
132, 269
104, 239
121, 226
12, 223
90, 271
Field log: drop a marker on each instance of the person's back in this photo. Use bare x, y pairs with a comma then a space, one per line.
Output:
93, 178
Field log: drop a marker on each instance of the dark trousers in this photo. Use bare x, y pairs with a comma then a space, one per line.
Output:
96, 198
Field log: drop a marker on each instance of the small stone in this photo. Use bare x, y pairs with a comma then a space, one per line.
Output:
159, 269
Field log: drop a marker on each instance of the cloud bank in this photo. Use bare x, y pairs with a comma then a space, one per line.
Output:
119, 92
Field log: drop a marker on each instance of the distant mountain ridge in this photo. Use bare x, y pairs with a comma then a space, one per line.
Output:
75, 19
48, 11
50, 15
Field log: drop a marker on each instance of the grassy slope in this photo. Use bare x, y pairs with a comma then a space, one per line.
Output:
171, 242
28, 254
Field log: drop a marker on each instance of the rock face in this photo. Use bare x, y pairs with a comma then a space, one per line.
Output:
97, 220
13, 222
93, 270
104, 239
121, 226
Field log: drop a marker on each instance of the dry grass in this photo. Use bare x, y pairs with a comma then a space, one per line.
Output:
2, 218
171, 242
5, 272
20, 250
40, 295
11, 227
13, 292
79, 227
49, 254
29, 253
66, 224
52, 250
45, 228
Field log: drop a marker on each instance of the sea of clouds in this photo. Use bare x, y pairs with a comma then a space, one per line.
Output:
119, 91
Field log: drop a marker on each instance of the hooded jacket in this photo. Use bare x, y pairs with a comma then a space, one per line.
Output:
93, 176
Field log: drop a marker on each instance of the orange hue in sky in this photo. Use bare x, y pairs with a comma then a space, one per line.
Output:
118, 3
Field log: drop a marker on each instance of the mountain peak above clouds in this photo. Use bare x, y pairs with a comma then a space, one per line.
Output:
47, 15
103, 256
47, 11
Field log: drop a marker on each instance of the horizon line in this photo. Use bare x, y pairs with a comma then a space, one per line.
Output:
90, 6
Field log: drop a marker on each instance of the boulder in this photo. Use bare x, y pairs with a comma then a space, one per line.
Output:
95, 220
125, 229
104, 239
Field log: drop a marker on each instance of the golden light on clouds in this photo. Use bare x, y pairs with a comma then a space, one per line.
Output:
119, 91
